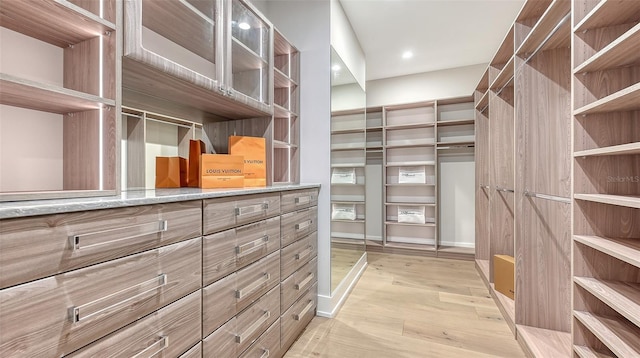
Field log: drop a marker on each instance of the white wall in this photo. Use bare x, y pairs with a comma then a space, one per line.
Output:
307, 25
454, 82
346, 97
345, 43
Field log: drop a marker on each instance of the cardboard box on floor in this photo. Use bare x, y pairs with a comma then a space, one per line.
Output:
503, 275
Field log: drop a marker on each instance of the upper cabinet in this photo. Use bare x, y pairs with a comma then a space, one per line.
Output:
211, 55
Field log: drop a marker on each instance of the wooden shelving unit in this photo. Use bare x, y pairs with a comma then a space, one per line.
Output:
606, 151
72, 100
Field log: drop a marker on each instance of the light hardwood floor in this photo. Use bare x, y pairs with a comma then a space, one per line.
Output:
408, 306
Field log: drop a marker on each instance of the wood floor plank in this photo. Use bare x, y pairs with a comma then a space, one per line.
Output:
408, 306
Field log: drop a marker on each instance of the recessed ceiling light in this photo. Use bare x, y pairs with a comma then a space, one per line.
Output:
336, 68
407, 55
244, 26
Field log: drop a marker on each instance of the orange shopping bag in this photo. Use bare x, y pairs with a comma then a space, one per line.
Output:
221, 171
171, 172
196, 148
255, 158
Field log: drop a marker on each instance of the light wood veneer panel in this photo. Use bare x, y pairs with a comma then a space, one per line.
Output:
220, 214
587, 352
32, 248
605, 130
295, 285
501, 226
297, 317
228, 251
555, 13
607, 13
298, 224
57, 22
81, 151
620, 337
543, 261
268, 345
249, 325
627, 250
195, 352
167, 332
543, 342
108, 296
230, 295
296, 255
619, 53
47, 98
624, 297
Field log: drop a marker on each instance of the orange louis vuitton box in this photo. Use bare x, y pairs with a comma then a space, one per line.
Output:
255, 158
171, 172
221, 171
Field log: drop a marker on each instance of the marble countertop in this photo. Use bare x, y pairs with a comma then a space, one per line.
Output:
130, 198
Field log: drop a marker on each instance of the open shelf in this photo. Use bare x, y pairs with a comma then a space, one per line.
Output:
281, 112
408, 246
410, 126
409, 224
283, 145
627, 99
410, 164
506, 305
347, 147
586, 352
244, 58
58, 22
631, 201
483, 102
627, 250
457, 143
47, 98
622, 52
620, 337
347, 131
544, 342
483, 265
409, 204
609, 13
622, 149
505, 76
410, 145
409, 184
348, 165
623, 297
556, 12
358, 221
280, 80
347, 201
456, 122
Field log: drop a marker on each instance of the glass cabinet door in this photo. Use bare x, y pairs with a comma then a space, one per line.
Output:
180, 37
250, 55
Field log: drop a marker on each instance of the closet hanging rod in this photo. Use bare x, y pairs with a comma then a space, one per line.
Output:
548, 197
553, 32
505, 190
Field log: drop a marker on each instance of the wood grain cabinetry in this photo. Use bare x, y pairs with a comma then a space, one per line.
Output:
606, 175
211, 64
143, 281
32, 248
60, 74
81, 306
220, 214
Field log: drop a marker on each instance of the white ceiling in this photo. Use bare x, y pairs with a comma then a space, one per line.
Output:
441, 33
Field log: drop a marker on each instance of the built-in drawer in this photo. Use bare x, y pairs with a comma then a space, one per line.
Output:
55, 316
297, 254
268, 345
165, 333
298, 316
298, 224
228, 251
223, 213
295, 285
298, 199
36, 247
228, 296
194, 352
241, 331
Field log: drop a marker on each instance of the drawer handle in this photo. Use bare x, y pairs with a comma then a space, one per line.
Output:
153, 349
253, 328
252, 209
306, 309
252, 246
77, 312
304, 253
304, 282
303, 199
265, 354
303, 225
154, 228
253, 286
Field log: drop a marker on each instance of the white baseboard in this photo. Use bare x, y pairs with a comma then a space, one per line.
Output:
329, 306
469, 245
